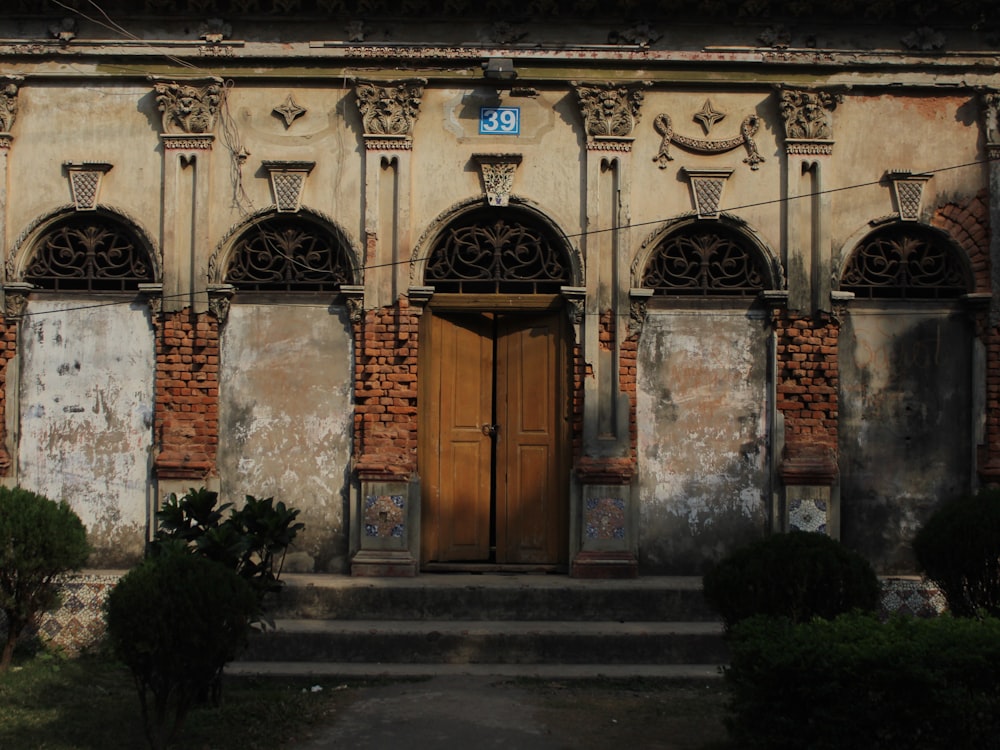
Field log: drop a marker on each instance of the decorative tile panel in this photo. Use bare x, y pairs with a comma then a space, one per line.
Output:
807, 514
902, 596
604, 518
384, 516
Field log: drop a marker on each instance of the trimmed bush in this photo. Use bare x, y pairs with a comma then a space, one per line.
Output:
855, 682
958, 548
176, 620
39, 540
799, 575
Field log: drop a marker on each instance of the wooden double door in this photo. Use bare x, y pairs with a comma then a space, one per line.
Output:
493, 438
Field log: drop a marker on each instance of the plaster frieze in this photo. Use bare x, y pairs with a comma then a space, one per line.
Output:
189, 108
748, 129
706, 189
990, 103
389, 109
289, 110
16, 299
637, 309
497, 171
807, 116
610, 109
288, 178
85, 183
220, 297
908, 191
8, 106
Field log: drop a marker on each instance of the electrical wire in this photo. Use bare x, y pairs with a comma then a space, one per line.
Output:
230, 137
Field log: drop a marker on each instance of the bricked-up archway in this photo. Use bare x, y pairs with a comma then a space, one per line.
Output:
700, 391
87, 363
906, 373
285, 354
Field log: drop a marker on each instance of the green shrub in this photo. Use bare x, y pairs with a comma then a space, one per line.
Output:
799, 575
175, 621
855, 682
251, 541
39, 540
958, 548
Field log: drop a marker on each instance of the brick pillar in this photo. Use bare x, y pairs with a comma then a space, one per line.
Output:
186, 426
807, 380
968, 224
385, 440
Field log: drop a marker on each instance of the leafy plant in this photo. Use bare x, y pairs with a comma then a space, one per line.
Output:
39, 540
175, 621
252, 541
799, 575
959, 549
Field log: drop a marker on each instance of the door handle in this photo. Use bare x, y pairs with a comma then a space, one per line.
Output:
491, 430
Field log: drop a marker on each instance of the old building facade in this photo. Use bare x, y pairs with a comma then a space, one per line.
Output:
582, 294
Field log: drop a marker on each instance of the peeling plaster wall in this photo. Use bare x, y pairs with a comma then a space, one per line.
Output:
702, 437
86, 414
906, 432
285, 421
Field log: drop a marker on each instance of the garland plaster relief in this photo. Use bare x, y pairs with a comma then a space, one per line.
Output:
8, 107
708, 117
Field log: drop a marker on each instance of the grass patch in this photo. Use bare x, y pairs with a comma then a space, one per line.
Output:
90, 703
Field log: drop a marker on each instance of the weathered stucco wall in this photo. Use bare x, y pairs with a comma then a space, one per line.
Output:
285, 417
702, 437
86, 414
906, 431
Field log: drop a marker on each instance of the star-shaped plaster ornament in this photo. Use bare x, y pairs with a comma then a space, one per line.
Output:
708, 116
289, 110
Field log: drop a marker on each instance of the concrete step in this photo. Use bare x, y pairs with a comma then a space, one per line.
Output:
344, 670
491, 597
489, 642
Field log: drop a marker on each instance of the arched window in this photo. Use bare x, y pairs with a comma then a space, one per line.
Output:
90, 253
904, 262
491, 252
705, 259
290, 253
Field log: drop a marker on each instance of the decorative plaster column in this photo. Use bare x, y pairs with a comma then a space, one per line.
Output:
187, 340
189, 112
8, 375
809, 465
989, 459
808, 145
385, 518
604, 510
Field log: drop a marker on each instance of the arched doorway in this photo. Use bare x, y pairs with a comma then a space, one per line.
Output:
494, 395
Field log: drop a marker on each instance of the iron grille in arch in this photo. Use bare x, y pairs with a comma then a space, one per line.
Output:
289, 254
89, 253
487, 254
706, 261
904, 263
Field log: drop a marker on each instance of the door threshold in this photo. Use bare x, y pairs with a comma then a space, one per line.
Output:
463, 567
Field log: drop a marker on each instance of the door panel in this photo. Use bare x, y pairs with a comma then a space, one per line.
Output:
481, 370
529, 480
458, 459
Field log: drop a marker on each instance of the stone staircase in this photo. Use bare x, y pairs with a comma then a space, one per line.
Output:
544, 625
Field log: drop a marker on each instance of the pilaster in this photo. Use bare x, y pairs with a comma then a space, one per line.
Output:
606, 541
808, 126
189, 112
388, 113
